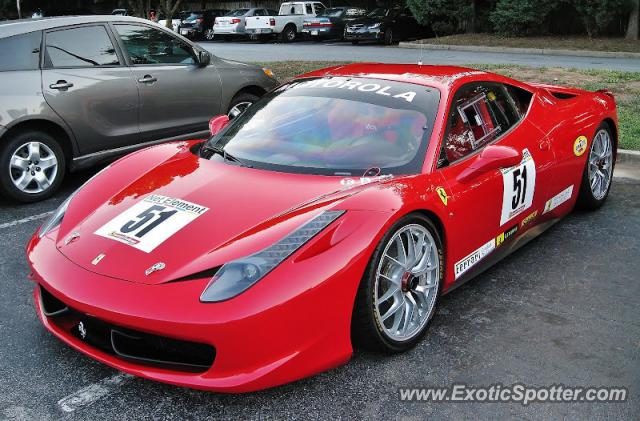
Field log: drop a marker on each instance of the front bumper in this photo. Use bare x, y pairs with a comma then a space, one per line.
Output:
363, 35
290, 325
190, 32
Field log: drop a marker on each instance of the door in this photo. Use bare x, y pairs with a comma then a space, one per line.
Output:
85, 81
488, 210
177, 96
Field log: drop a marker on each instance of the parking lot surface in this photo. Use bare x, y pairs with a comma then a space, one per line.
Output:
250, 51
564, 309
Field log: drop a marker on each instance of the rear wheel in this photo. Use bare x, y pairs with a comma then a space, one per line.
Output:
209, 35
32, 164
289, 33
398, 293
240, 103
388, 37
598, 171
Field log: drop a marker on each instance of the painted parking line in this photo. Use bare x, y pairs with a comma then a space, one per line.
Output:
89, 394
25, 220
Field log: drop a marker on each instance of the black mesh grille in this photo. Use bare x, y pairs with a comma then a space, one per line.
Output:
143, 348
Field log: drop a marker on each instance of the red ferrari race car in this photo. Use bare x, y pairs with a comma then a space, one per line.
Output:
334, 211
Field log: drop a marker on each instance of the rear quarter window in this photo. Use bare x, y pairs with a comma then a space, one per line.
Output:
20, 52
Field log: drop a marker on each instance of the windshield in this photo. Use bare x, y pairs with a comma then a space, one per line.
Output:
237, 12
335, 126
333, 13
378, 13
193, 16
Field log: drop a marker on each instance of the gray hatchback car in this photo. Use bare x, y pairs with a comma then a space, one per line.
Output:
80, 90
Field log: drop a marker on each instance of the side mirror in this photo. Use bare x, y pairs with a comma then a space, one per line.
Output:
217, 123
491, 158
204, 58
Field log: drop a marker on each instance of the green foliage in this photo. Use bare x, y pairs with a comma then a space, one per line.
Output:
521, 17
597, 14
445, 16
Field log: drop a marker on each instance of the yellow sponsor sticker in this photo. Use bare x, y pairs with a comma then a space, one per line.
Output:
529, 218
442, 193
580, 146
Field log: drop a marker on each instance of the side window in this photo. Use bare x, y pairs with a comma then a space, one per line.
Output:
20, 52
258, 12
521, 99
480, 113
319, 8
309, 9
86, 46
147, 45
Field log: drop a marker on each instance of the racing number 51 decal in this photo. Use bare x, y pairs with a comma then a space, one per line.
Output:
519, 185
148, 223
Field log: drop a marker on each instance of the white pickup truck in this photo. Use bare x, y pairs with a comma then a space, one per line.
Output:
288, 23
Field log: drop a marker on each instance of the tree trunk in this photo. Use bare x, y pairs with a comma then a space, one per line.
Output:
473, 12
632, 28
169, 8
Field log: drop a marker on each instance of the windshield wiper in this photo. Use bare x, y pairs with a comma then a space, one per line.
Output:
226, 155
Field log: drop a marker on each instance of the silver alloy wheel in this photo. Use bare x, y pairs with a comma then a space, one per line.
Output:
290, 34
209, 34
33, 167
238, 109
407, 282
600, 164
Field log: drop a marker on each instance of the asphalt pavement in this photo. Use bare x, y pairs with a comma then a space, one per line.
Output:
251, 51
565, 309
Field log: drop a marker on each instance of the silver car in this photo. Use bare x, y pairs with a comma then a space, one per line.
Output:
80, 90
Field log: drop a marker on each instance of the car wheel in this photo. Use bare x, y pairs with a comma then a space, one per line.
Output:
240, 103
355, 42
388, 37
209, 34
598, 171
289, 34
399, 290
33, 166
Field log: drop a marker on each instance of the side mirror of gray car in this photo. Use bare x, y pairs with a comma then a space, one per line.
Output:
204, 58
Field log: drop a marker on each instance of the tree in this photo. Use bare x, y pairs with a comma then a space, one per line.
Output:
521, 17
169, 8
596, 15
140, 8
632, 28
444, 16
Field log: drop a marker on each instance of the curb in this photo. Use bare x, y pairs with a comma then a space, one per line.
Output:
628, 157
513, 50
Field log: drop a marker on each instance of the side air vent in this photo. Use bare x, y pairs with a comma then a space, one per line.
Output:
562, 95
50, 305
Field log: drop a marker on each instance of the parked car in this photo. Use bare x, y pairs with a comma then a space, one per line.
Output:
330, 23
175, 22
233, 23
102, 86
288, 23
199, 25
385, 25
332, 214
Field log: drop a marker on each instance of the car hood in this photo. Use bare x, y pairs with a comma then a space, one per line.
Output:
232, 212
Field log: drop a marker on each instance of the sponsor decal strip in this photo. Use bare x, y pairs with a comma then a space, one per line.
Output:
472, 259
558, 199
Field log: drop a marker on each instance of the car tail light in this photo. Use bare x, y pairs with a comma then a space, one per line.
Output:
235, 20
272, 22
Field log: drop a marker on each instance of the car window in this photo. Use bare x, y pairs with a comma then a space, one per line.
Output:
355, 12
146, 45
259, 12
309, 9
20, 52
86, 46
291, 9
319, 8
480, 114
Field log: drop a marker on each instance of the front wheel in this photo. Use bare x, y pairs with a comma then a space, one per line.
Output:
398, 293
388, 37
209, 35
598, 171
32, 164
240, 103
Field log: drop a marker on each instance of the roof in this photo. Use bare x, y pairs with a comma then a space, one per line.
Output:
429, 75
16, 27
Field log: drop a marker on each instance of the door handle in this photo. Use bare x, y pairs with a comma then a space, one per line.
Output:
61, 85
147, 79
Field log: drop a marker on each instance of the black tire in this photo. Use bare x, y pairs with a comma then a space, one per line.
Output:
388, 37
365, 331
10, 145
355, 42
242, 97
289, 33
586, 198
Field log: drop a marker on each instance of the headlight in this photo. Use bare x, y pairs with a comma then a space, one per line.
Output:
57, 216
237, 276
268, 72
374, 26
